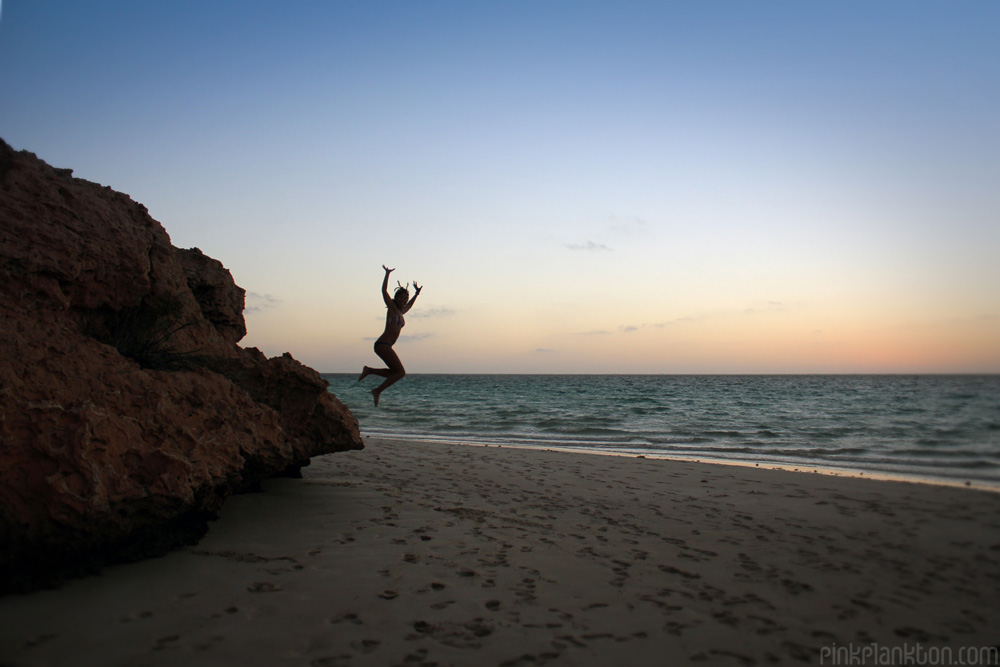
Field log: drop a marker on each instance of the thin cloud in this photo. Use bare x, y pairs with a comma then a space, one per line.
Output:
622, 328
589, 246
438, 311
772, 306
257, 302
627, 224
762, 308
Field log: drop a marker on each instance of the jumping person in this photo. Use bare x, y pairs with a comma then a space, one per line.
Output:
396, 307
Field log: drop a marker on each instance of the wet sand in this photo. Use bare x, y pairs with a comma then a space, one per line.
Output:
434, 554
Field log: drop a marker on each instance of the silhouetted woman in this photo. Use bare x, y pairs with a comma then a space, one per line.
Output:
396, 307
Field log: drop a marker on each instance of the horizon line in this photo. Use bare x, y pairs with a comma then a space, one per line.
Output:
790, 374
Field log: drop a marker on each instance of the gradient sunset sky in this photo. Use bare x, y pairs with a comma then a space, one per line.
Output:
615, 186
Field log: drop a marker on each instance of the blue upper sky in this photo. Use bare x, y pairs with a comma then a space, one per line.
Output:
582, 186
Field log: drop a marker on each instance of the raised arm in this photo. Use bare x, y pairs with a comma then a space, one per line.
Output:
385, 285
417, 289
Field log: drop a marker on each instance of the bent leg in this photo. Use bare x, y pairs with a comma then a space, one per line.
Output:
368, 370
393, 374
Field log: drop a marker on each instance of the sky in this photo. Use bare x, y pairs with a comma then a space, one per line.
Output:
580, 186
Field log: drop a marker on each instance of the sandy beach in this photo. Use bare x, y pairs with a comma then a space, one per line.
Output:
433, 554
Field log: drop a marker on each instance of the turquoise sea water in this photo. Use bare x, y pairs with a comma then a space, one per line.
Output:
920, 425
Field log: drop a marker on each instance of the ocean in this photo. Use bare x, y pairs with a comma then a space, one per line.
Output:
928, 426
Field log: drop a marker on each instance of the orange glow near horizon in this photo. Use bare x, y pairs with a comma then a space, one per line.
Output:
726, 346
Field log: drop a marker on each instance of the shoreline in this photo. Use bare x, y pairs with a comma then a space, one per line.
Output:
428, 553
805, 467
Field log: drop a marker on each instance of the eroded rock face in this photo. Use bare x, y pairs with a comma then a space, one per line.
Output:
127, 410
221, 301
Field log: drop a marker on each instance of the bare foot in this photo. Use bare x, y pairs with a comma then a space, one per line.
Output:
365, 373
375, 393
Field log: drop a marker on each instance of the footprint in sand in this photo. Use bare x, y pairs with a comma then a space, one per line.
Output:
365, 645
139, 616
163, 642
457, 635
264, 587
39, 640
351, 618
416, 658
332, 661
226, 612
909, 632
669, 569
795, 587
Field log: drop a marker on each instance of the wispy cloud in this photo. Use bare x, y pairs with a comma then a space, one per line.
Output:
437, 311
762, 308
595, 332
257, 302
589, 246
413, 338
627, 224
768, 307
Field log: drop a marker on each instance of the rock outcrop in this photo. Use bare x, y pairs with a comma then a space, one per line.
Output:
127, 410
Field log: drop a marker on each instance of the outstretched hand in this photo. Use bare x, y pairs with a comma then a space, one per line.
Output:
416, 287
387, 269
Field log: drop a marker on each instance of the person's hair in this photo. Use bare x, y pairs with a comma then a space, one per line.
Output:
401, 295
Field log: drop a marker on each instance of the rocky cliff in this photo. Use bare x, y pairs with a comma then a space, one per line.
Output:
127, 410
